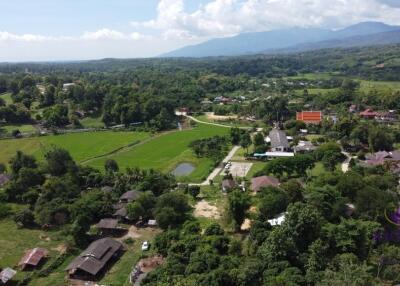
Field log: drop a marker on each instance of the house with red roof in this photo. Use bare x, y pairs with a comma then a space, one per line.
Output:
32, 258
368, 114
309, 117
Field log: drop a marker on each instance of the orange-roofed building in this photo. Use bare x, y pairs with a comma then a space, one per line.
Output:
312, 117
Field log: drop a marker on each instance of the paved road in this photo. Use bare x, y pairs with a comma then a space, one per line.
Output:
218, 170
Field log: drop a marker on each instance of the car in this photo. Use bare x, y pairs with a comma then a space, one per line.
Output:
145, 245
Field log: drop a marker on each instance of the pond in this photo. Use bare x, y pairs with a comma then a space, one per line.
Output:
183, 169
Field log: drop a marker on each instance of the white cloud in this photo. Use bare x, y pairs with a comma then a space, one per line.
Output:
104, 34
221, 18
6, 36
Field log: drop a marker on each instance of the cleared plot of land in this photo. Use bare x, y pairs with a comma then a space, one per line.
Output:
240, 169
14, 242
165, 152
82, 146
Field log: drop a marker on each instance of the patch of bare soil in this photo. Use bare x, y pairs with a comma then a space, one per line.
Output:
133, 232
205, 209
212, 116
245, 225
62, 248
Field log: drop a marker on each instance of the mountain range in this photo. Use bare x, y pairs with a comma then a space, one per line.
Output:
293, 40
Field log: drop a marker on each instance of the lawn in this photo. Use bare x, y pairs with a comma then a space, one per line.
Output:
6, 97
92, 122
379, 85
14, 242
24, 128
166, 151
82, 146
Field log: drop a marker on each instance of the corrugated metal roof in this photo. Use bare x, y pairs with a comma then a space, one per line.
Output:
33, 257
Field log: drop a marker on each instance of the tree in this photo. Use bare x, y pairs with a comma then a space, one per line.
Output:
25, 218
235, 134
294, 190
20, 160
245, 141
171, 210
111, 166
135, 211
59, 162
348, 271
273, 201
380, 140
3, 168
194, 191
238, 204
258, 139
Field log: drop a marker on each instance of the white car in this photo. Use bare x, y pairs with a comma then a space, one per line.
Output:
145, 245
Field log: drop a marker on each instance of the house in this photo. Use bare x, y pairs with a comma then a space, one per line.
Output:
7, 274
183, 111
152, 222
386, 117
309, 117
129, 197
4, 179
368, 114
121, 213
258, 183
279, 141
94, 259
304, 147
32, 258
108, 226
228, 184
379, 158
66, 86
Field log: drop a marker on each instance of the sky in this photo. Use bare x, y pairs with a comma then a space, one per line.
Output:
54, 30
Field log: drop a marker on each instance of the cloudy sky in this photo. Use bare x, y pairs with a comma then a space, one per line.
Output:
41, 30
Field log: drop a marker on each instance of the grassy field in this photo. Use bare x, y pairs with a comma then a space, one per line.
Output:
165, 152
24, 128
379, 85
92, 122
162, 152
82, 146
14, 242
6, 97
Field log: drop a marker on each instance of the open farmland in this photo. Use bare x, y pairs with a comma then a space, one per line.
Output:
165, 152
162, 152
82, 146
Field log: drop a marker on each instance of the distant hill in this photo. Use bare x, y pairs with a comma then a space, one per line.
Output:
386, 38
286, 40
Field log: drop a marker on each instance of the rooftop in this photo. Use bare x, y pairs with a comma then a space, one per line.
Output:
258, 183
95, 257
33, 257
